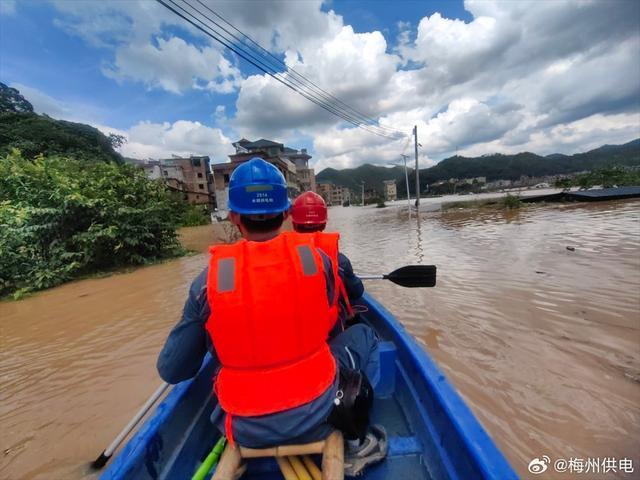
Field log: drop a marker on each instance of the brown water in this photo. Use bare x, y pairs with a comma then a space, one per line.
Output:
542, 342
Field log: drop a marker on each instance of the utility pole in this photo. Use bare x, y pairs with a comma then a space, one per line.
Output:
415, 137
406, 177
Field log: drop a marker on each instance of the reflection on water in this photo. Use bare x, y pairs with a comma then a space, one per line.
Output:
541, 341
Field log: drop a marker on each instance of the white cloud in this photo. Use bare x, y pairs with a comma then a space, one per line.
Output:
354, 67
136, 32
281, 25
175, 66
161, 140
143, 51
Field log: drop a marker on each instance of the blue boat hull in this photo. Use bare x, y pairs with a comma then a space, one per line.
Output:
432, 433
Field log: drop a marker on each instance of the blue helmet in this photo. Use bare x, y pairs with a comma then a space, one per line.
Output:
257, 187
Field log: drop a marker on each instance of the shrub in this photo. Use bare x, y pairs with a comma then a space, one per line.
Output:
188, 215
511, 202
61, 218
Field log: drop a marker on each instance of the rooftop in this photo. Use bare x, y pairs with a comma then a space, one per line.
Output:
262, 143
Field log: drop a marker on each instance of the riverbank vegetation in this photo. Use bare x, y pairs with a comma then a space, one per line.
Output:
617, 176
187, 214
71, 207
33, 134
62, 218
508, 202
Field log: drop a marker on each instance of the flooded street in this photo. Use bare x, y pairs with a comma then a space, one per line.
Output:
543, 342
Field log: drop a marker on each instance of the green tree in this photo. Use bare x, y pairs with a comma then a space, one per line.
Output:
37, 134
61, 218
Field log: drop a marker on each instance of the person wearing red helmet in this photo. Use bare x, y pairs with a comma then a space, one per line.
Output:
309, 215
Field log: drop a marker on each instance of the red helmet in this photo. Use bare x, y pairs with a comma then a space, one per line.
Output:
309, 209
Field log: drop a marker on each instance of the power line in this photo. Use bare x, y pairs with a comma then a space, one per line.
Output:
323, 93
270, 70
267, 68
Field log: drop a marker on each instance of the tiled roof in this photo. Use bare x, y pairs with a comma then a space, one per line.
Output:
262, 143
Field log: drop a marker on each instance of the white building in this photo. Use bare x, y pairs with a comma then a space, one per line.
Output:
390, 192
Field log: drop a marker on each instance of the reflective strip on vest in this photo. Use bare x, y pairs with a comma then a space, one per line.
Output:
226, 281
307, 261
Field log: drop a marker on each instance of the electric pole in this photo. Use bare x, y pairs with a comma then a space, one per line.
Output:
415, 137
406, 177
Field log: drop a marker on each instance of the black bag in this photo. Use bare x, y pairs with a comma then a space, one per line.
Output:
352, 404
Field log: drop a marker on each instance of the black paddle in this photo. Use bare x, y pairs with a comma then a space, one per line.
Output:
412, 276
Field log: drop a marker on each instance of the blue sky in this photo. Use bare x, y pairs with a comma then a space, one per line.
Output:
476, 76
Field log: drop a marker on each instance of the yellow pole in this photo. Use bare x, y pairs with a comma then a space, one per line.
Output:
312, 468
299, 468
286, 469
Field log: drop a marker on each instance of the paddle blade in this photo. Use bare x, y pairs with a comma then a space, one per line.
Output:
414, 276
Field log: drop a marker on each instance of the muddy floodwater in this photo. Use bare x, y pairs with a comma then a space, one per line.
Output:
542, 341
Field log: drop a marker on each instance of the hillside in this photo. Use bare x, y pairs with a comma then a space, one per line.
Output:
493, 167
36, 134
352, 178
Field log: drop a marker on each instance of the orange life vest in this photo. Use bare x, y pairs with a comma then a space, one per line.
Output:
270, 318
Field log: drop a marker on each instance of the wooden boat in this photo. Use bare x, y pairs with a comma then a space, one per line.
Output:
432, 432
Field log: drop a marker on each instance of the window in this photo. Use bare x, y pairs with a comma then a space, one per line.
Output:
201, 186
197, 197
226, 178
199, 175
166, 174
195, 162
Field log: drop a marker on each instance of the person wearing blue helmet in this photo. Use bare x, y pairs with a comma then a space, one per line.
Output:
266, 301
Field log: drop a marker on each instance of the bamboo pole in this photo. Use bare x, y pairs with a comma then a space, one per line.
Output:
287, 470
299, 468
313, 469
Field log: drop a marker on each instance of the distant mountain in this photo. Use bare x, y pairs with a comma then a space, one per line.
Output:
353, 177
33, 134
494, 167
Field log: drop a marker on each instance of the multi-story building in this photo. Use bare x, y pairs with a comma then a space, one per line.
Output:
340, 195
306, 175
294, 165
390, 192
190, 175
371, 194
333, 194
324, 190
